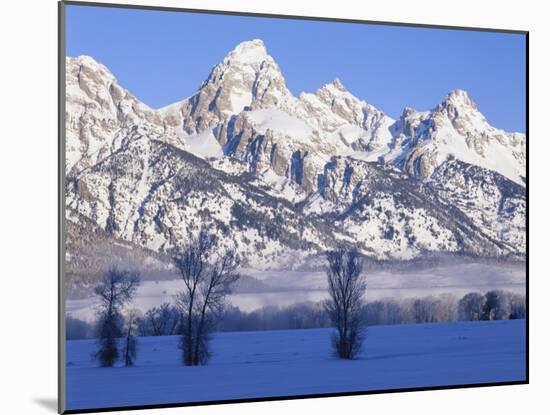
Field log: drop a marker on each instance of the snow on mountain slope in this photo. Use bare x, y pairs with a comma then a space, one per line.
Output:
280, 121
331, 121
247, 77
203, 145
100, 113
492, 202
391, 215
286, 176
247, 87
154, 195
333, 109
456, 128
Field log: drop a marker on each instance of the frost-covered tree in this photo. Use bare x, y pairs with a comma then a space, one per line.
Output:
347, 287
116, 288
161, 321
208, 272
130, 340
497, 305
384, 312
425, 310
470, 307
447, 308
518, 308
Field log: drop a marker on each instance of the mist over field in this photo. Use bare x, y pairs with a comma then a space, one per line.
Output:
258, 289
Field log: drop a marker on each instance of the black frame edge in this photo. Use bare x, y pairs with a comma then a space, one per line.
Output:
61, 52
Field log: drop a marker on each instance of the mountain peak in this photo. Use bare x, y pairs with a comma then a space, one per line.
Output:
82, 59
459, 98
250, 51
338, 84
94, 71
407, 111
88, 61
332, 89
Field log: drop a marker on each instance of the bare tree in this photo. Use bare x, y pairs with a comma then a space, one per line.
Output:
114, 290
208, 274
347, 287
130, 347
161, 321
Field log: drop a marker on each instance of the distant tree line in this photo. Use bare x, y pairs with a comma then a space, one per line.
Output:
209, 271
164, 320
493, 305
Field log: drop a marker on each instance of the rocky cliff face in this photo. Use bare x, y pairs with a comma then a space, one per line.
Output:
100, 113
155, 196
394, 215
284, 177
247, 78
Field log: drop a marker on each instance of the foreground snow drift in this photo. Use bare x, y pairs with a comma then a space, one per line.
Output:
298, 362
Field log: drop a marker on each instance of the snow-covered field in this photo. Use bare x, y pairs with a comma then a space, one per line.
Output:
284, 288
298, 362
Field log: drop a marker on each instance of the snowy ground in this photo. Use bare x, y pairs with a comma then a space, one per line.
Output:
284, 288
298, 362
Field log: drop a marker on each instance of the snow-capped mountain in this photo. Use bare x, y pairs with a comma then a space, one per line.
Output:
100, 114
244, 110
456, 128
286, 176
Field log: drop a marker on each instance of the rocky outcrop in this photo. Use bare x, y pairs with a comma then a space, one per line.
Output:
100, 113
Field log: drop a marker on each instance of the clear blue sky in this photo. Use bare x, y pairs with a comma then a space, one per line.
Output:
163, 57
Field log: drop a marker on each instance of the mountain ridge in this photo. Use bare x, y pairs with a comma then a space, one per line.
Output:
326, 166
343, 122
